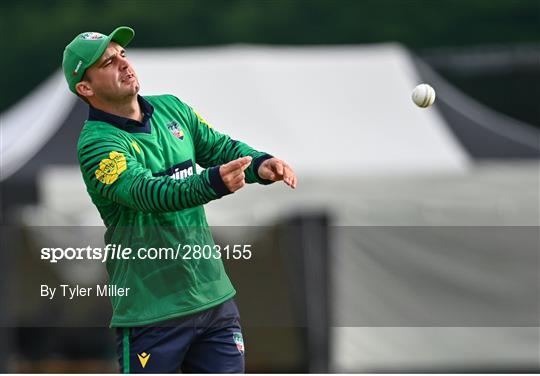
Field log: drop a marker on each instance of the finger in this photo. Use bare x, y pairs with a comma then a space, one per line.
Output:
287, 175
291, 179
228, 167
274, 177
293, 182
245, 161
231, 179
236, 164
238, 177
279, 167
286, 181
238, 171
237, 185
266, 173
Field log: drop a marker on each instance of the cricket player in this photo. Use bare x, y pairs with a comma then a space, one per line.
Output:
138, 159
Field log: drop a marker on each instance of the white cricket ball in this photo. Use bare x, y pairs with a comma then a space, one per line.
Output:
423, 95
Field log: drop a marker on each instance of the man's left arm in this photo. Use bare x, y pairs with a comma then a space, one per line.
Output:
214, 148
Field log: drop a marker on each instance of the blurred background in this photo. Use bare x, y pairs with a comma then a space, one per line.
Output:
412, 242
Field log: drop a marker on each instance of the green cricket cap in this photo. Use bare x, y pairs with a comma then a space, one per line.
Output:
87, 48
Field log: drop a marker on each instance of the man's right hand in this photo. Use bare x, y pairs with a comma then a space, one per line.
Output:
232, 173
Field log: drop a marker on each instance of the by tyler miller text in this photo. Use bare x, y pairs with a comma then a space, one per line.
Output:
77, 291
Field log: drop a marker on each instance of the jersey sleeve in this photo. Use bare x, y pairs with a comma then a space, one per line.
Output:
214, 148
110, 170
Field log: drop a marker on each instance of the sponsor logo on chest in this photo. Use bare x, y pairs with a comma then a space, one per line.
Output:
179, 171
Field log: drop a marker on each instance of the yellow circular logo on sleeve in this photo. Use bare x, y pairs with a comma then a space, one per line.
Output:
110, 168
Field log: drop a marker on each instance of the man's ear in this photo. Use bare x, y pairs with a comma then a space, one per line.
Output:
84, 89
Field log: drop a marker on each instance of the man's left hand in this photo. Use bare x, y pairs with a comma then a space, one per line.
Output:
275, 169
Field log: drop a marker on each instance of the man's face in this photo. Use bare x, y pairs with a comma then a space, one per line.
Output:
112, 78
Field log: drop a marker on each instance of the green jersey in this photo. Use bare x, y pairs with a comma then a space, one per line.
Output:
142, 178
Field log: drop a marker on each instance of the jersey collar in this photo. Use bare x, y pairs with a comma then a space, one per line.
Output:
126, 124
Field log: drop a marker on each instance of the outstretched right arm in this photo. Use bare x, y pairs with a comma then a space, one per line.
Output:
111, 170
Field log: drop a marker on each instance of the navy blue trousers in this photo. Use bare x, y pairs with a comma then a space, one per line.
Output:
206, 342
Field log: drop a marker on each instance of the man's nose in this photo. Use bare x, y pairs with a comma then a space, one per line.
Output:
124, 64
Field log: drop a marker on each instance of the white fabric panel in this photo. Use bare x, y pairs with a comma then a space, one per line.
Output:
326, 110
455, 298
26, 127
434, 349
501, 194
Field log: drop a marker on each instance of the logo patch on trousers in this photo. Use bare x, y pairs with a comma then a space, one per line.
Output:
239, 341
143, 358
